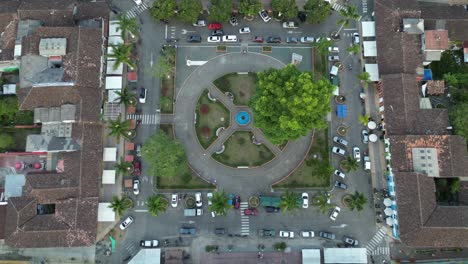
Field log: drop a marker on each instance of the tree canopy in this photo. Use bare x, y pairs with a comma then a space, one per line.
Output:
250, 7
220, 10
317, 11
6, 141
190, 10
165, 156
127, 24
288, 103
8, 107
163, 9
287, 8
458, 117
220, 203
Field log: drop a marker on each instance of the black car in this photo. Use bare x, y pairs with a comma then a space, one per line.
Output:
220, 231
326, 235
194, 38
292, 40
271, 209
218, 32
273, 40
341, 185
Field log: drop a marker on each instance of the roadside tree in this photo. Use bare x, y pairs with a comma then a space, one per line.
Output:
123, 167
127, 25
347, 15
350, 164
165, 66
220, 203
120, 205
355, 201
165, 156
122, 54
289, 202
250, 7
322, 45
157, 204
364, 78
189, 10
220, 10
287, 8
364, 119
126, 97
118, 128
317, 11
288, 103
163, 9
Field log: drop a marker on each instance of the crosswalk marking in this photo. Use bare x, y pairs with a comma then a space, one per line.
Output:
338, 7
131, 248
381, 251
146, 119
137, 10
245, 222
374, 242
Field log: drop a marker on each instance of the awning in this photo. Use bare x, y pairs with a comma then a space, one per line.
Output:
373, 70
114, 29
132, 76
108, 177
115, 40
427, 75
114, 82
110, 68
341, 111
344, 255
147, 256
129, 158
370, 48
311, 256
129, 146
110, 154
368, 29
112, 95
105, 214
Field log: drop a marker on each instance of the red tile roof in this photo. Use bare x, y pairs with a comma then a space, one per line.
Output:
436, 39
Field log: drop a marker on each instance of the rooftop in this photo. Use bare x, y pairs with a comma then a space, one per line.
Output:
436, 39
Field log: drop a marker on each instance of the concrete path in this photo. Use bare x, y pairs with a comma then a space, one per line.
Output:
249, 181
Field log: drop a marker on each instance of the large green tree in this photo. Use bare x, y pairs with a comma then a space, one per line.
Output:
287, 8
288, 103
317, 11
157, 204
289, 202
118, 128
459, 119
220, 10
165, 156
6, 141
250, 7
356, 201
127, 24
350, 164
126, 97
122, 54
347, 14
220, 203
189, 10
163, 9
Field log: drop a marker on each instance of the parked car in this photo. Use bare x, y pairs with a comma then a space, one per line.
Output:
187, 231
233, 20
138, 2
271, 209
327, 235
333, 58
142, 97
334, 214
128, 221
229, 38
250, 211
198, 199
236, 202
138, 150
319, 38
257, 39
365, 136
267, 232
340, 141
350, 241
149, 243
341, 185
209, 196
174, 200
356, 38
137, 168
199, 211
286, 234
290, 24
307, 234
244, 30
333, 49
194, 38
307, 40
273, 40
199, 23
367, 163
136, 187
218, 33
292, 40
214, 39
338, 151
357, 154
264, 15
220, 231
339, 174
214, 26
305, 200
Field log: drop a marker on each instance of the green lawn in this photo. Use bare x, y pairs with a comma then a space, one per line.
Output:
187, 181
19, 135
241, 152
217, 116
167, 94
316, 169
242, 86
320, 65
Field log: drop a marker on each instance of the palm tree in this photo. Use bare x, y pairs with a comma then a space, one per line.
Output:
322, 45
289, 202
127, 24
350, 164
347, 14
157, 204
119, 128
320, 200
356, 201
121, 53
364, 78
120, 205
353, 49
364, 119
123, 167
220, 203
126, 97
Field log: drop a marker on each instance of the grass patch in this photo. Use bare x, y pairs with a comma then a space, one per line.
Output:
221, 48
20, 135
167, 94
320, 65
242, 86
316, 170
266, 49
210, 116
241, 152
186, 181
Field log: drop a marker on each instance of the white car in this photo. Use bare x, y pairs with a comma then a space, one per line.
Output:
199, 23
307, 234
174, 200
138, 2
340, 141
198, 199
357, 154
339, 174
307, 40
338, 151
230, 38
213, 39
143, 94
244, 30
365, 136
335, 213
333, 49
290, 24
334, 58
264, 15
356, 38
149, 243
209, 196
286, 234
319, 38
126, 223
305, 200
136, 187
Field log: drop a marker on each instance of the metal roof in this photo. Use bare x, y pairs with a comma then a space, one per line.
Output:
53, 47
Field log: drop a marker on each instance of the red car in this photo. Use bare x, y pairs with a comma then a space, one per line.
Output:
214, 26
257, 39
237, 202
250, 211
137, 168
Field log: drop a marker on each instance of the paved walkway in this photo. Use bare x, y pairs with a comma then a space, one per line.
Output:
249, 181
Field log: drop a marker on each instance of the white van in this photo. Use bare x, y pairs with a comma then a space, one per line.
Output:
230, 38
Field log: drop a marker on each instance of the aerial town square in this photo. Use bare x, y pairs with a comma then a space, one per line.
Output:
233, 131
